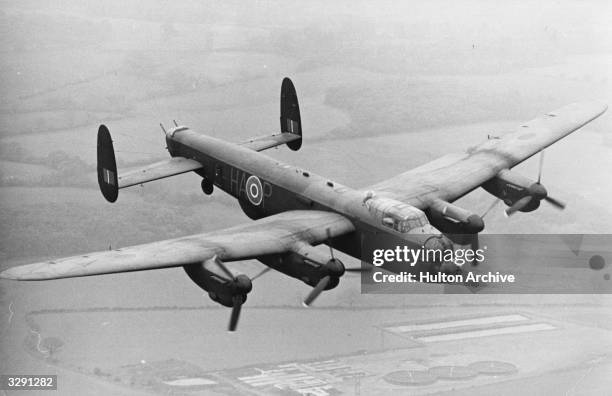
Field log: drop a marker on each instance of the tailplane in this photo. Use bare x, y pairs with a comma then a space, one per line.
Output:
290, 123
110, 182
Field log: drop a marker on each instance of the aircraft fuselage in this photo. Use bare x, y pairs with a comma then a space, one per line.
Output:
265, 186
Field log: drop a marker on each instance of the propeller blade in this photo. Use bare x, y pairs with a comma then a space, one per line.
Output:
474, 245
359, 269
331, 250
555, 202
237, 300
261, 273
494, 204
518, 205
224, 268
541, 166
317, 290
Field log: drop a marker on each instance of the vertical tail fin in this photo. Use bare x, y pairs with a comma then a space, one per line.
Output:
290, 120
107, 166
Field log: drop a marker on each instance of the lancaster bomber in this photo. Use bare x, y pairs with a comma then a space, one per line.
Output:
294, 209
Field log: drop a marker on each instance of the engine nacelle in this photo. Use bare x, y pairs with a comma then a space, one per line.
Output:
510, 187
306, 264
219, 286
451, 219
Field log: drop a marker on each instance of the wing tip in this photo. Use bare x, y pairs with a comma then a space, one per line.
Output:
29, 272
11, 274
599, 106
594, 106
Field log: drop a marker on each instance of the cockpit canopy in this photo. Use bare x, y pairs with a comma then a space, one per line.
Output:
397, 215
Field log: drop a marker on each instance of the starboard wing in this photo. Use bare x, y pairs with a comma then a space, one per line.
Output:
275, 234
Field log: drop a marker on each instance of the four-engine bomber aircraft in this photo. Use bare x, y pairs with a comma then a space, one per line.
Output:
295, 210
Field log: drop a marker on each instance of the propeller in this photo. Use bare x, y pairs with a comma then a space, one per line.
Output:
333, 267
223, 267
237, 305
329, 243
541, 166
364, 268
474, 240
490, 208
535, 191
261, 273
518, 205
314, 293
350, 269
555, 202
241, 285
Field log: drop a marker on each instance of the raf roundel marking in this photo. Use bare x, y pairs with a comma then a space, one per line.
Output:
254, 190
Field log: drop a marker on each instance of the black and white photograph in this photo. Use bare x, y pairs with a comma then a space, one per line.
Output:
312, 198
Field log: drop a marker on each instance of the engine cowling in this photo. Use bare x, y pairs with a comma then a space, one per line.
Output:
222, 285
451, 219
512, 187
219, 286
306, 268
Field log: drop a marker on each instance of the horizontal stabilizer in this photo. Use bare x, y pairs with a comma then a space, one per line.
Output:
110, 182
158, 170
266, 142
290, 123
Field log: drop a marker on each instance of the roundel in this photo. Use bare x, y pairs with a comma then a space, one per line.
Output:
254, 190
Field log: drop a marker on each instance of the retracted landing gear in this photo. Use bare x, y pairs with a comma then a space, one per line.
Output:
207, 186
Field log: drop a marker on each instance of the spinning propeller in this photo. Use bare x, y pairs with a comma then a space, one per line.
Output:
474, 241
535, 191
240, 286
332, 269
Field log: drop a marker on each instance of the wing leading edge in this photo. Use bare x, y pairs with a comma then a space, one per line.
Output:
272, 235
